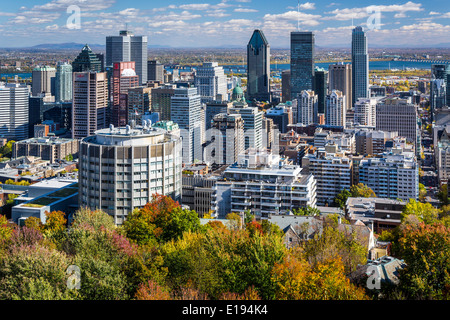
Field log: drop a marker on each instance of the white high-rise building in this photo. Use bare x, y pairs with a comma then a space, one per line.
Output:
14, 111
365, 112
392, 176
335, 109
211, 81
186, 112
307, 105
253, 119
333, 171
262, 183
120, 169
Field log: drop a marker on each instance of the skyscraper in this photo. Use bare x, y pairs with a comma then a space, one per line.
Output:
63, 82
211, 81
155, 71
307, 108
86, 61
43, 79
128, 47
162, 100
124, 77
335, 111
302, 62
340, 78
320, 88
186, 112
360, 65
286, 85
258, 67
139, 101
89, 104
14, 111
439, 86
253, 119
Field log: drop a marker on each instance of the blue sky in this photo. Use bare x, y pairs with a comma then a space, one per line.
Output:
212, 23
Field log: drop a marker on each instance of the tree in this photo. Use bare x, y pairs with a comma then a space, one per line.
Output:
306, 211
361, 190
426, 251
443, 194
422, 192
34, 223
424, 212
5, 229
295, 279
235, 220
35, 273
161, 220
343, 241
248, 216
341, 199
55, 222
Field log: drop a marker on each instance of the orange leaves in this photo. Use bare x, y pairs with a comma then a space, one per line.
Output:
297, 280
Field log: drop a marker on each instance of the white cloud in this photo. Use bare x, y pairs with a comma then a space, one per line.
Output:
245, 10
308, 6
359, 13
304, 18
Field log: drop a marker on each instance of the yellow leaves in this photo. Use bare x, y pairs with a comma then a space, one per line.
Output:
297, 280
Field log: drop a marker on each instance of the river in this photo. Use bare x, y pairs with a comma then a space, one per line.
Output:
373, 65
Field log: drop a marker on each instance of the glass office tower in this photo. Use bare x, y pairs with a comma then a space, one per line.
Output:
302, 62
360, 65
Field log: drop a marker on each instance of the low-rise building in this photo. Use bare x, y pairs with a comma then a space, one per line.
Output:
384, 214
49, 148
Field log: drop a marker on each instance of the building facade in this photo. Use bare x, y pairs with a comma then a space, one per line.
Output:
186, 112
89, 104
211, 81
63, 83
14, 108
335, 114
263, 184
340, 78
128, 47
258, 67
120, 169
360, 65
302, 62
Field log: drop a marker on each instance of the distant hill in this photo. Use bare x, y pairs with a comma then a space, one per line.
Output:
67, 46
78, 46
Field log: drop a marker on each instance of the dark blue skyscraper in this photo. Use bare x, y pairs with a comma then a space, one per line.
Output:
360, 65
320, 88
302, 62
258, 67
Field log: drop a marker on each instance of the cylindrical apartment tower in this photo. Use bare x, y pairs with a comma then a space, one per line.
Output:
120, 169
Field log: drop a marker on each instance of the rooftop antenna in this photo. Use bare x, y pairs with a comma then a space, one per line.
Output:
298, 21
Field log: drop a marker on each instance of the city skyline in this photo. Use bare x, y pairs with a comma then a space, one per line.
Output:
223, 22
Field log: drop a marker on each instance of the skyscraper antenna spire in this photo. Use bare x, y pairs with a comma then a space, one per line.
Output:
298, 18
